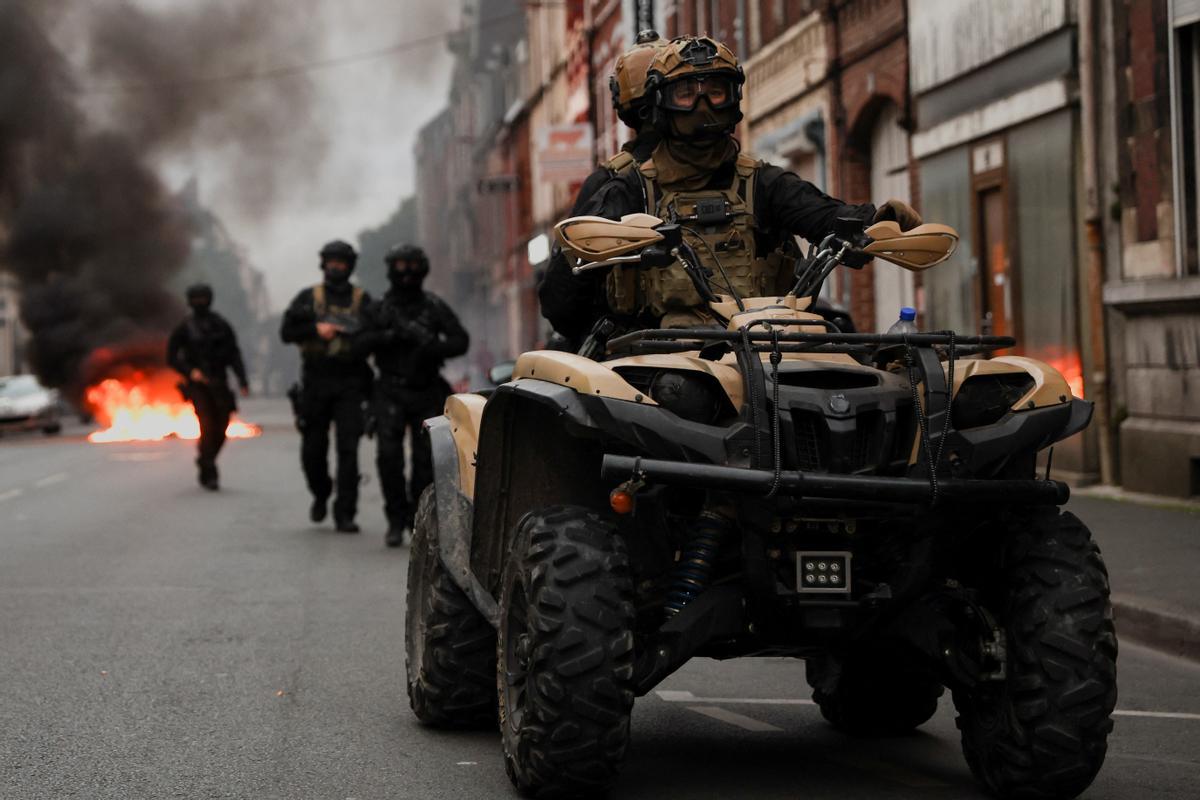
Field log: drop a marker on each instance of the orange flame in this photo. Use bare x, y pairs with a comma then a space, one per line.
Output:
147, 407
1070, 367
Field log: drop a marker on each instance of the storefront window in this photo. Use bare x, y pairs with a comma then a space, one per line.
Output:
1187, 79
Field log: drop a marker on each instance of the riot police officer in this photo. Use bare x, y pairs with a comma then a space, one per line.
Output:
203, 349
412, 333
326, 321
738, 212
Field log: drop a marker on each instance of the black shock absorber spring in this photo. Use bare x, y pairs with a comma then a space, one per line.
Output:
694, 570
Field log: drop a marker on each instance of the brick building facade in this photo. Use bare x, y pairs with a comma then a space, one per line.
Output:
1152, 288
979, 113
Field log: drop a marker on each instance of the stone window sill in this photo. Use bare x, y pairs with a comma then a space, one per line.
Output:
1139, 297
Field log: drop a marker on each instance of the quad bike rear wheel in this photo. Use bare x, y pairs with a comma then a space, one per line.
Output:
450, 647
565, 663
871, 698
1042, 733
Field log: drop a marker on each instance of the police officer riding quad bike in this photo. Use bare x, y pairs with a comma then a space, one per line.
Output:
763, 485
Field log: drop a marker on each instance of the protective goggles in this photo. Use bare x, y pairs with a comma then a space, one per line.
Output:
684, 94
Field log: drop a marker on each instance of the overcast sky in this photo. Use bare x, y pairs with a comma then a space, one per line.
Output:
368, 112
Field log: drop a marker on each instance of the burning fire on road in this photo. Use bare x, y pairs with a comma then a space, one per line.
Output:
145, 405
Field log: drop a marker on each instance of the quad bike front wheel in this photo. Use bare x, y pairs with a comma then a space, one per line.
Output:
565, 662
1042, 733
450, 646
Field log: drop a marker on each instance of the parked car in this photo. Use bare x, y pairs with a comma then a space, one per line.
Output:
26, 405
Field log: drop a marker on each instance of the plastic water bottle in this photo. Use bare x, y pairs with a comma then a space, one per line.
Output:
907, 322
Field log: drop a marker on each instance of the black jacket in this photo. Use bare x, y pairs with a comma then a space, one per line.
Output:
411, 335
784, 204
300, 320
206, 342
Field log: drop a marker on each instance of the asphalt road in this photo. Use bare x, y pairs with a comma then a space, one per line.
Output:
159, 641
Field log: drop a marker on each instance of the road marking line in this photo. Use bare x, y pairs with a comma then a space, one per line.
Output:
10, 494
733, 718
50, 480
137, 456
676, 696
1156, 714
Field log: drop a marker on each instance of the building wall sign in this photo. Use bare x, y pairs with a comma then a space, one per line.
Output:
564, 152
947, 40
987, 157
993, 117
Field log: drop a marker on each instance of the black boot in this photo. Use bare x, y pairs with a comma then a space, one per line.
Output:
208, 475
319, 509
395, 534
345, 525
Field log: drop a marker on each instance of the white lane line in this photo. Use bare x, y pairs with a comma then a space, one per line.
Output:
153, 456
10, 494
1156, 714
50, 480
733, 718
676, 696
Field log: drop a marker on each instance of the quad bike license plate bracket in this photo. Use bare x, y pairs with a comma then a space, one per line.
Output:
823, 572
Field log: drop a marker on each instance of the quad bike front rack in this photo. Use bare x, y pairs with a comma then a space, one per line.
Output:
930, 480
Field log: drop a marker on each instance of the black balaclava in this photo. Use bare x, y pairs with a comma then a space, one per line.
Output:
697, 143
199, 299
407, 277
334, 277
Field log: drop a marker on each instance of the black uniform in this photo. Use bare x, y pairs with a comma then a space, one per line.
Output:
205, 341
784, 204
412, 332
335, 384
590, 284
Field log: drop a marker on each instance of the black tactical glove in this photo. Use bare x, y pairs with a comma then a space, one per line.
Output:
899, 212
411, 332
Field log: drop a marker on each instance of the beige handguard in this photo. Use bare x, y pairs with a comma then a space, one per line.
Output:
918, 249
597, 238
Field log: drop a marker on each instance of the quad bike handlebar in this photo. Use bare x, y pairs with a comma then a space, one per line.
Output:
642, 240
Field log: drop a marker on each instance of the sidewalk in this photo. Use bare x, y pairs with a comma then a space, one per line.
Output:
1152, 550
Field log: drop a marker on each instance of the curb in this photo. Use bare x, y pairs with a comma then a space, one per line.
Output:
1141, 622
1116, 493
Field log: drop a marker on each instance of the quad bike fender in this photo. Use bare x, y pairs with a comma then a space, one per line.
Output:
455, 509
580, 374
538, 446
1049, 386
1045, 414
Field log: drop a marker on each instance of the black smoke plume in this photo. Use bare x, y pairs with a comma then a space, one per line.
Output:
86, 224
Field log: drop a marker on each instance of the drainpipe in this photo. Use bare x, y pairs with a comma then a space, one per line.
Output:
739, 27
1093, 221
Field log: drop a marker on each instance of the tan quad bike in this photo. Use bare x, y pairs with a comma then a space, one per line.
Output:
762, 485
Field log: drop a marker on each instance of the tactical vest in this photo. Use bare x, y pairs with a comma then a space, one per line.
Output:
338, 346
720, 228
621, 160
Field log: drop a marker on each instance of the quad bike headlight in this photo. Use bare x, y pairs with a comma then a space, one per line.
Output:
985, 399
694, 396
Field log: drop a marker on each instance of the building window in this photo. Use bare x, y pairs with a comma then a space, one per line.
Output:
1187, 83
